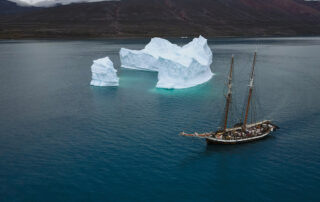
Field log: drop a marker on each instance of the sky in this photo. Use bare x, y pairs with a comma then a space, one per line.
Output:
48, 3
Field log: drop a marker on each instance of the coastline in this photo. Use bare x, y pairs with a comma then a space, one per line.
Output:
124, 37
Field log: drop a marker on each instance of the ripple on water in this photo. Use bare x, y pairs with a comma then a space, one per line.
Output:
66, 141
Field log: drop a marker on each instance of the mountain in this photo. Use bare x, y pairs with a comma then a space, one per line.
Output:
314, 4
8, 7
145, 18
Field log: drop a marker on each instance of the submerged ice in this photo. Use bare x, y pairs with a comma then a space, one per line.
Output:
177, 67
103, 73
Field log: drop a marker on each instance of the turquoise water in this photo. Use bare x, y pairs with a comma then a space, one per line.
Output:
63, 140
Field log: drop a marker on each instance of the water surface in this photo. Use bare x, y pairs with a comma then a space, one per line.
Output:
63, 140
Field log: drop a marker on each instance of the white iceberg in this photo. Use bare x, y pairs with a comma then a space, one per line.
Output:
103, 73
178, 67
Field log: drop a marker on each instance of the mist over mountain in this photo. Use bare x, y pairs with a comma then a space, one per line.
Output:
51, 3
146, 18
8, 7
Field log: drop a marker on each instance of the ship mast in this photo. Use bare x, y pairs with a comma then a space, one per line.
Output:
250, 90
228, 99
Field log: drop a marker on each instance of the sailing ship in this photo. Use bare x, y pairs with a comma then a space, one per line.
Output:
241, 132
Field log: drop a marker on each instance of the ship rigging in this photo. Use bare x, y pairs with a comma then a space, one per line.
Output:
240, 132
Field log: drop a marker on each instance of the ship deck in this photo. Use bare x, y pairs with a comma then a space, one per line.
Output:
211, 137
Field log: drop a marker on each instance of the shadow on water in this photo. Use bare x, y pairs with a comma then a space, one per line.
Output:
210, 150
233, 148
104, 91
279, 136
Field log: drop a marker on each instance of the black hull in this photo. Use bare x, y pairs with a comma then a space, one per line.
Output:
240, 141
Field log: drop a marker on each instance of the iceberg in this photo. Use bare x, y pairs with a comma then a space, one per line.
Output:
103, 73
147, 58
178, 67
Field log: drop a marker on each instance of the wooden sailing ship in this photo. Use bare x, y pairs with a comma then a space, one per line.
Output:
241, 132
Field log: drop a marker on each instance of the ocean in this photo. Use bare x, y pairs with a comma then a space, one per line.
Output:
64, 140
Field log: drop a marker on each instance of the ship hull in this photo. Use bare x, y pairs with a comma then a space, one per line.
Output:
212, 140
271, 128
253, 132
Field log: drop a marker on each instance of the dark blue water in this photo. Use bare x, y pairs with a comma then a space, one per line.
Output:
63, 140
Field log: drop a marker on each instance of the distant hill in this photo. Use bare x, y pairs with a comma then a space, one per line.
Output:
146, 18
